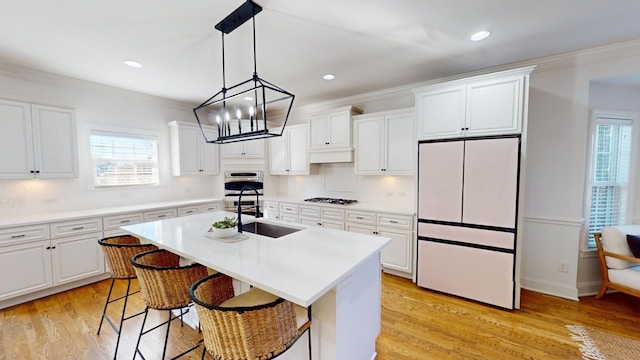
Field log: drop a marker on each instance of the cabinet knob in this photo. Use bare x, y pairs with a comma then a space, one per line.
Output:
319, 224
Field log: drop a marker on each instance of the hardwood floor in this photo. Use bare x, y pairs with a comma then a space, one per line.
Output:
416, 324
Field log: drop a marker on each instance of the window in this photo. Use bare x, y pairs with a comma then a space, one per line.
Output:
123, 160
610, 172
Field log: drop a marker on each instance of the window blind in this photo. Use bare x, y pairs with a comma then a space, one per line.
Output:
122, 160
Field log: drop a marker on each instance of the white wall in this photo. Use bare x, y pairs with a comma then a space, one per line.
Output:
556, 165
103, 107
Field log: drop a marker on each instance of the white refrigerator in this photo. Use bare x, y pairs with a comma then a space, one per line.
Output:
467, 218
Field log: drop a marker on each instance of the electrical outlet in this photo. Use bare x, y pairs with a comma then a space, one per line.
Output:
563, 266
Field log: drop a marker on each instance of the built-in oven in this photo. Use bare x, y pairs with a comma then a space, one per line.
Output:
234, 182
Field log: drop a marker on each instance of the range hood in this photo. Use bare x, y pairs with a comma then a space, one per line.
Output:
338, 155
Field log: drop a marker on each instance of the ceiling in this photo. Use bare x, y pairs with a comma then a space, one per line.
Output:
369, 45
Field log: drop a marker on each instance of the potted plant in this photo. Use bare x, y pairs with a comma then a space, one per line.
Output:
224, 228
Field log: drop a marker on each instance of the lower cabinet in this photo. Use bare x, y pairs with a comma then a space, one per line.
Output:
399, 228
27, 266
322, 216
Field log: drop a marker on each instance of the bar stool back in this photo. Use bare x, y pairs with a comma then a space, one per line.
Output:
253, 325
165, 286
118, 251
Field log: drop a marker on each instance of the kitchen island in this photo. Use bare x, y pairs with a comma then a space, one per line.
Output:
335, 271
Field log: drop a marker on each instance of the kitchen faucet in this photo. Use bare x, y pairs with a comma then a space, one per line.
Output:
247, 187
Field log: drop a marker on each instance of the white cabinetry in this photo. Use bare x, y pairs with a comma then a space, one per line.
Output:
250, 149
397, 256
271, 210
190, 153
289, 153
385, 143
322, 216
40, 256
289, 212
330, 136
160, 214
37, 141
111, 224
209, 207
490, 104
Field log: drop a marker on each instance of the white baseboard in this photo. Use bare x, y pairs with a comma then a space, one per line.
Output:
549, 288
588, 288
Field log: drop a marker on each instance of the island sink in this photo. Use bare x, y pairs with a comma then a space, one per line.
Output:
269, 230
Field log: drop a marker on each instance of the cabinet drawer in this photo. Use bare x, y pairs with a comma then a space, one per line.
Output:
271, 207
359, 217
332, 214
395, 221
286, 208
310, 211
160, 214
290, 219
115, 221
188, 210
24, 234
216, 206
75, 227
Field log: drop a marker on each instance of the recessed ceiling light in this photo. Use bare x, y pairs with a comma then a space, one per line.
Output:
133, 64
328, 76
480, 35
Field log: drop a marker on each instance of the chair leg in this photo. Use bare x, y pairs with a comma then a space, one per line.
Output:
166, 336
122, 318
204, 352
309, 330
602, 291
106, 303
146, 312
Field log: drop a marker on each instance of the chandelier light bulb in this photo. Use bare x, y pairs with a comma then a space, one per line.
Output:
227, 116
251, 111
217, 119
239, 114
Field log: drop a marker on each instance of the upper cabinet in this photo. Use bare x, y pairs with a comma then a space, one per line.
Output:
250, 149
37, 141
385, 143
330, 135
289, 153
190, 153
483, 105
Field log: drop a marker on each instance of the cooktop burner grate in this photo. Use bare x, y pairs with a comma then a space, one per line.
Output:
327, 200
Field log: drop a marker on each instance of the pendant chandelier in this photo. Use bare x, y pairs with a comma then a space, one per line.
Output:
244, 111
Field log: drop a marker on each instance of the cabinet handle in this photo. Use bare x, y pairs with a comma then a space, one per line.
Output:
32, 171
319, 224
375, 233
18, 236
37, 171
161, 216
393, 221
78, 228
359, 218
124, 221
48, 248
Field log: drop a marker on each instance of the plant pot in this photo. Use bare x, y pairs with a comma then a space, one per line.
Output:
224, 233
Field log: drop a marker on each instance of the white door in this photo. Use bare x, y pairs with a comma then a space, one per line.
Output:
339, 129
232, 150
24, 268
440, 180
76, 257
400, 144
55, 143
491, 182
369, 146
16, 140
188, 138
298, 150
209, 159
441, 113
253, 148
495, 107
319, 132
278, 156
397, 255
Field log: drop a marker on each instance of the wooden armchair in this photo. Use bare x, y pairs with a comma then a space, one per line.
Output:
620, 270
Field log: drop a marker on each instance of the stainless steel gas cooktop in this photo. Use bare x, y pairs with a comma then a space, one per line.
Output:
326, 200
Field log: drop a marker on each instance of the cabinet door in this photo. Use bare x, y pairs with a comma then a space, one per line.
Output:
399, 145
440, 181
24, 268
360, 229
397, 255
369, 146
232, 150
495, 106
76, 257
491, 182
278, 164
16, 141
208, 153
253, 148
298, 150
55, 142
339, 129
186, 151
441, 113
319, 130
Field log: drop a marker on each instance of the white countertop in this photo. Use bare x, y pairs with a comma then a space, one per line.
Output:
300, 267
99, 211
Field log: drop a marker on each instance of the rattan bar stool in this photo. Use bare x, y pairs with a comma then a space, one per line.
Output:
254, 325
119, 250
165, 286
